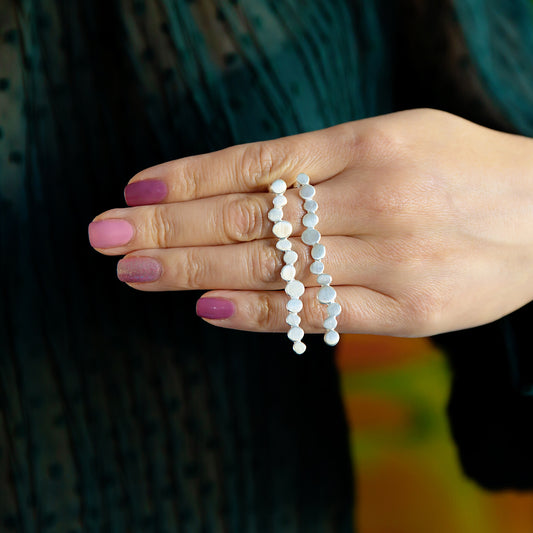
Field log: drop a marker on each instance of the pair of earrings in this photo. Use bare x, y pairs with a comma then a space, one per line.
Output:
311, 236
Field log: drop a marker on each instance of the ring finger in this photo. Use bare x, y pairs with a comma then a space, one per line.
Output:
248, 266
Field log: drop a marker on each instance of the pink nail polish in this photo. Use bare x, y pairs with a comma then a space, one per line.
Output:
145, 192
138, 269
215, 308
110, 233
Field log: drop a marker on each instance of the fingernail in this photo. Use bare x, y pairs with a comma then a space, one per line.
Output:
216, 308
110, 233
145, 192
138, 269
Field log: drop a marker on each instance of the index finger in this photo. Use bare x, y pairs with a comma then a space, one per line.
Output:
247, 167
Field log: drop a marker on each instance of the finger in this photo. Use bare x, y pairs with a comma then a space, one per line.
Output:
363, 311
247, 167
227, 219
256, 265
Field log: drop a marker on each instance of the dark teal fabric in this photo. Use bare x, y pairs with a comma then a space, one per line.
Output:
121, 411
499, 34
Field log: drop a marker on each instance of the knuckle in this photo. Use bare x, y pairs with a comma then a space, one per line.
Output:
243, 218
256, 164
313, 313
187, 182
193, 272
261, 162
263, 265
161, 228
266, 316
378, 143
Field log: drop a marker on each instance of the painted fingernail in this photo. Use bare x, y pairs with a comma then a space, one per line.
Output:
215, 308
145, 192
110, 233
138, 269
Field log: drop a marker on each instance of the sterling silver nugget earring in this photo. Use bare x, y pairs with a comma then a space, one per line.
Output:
282, 230
311, 237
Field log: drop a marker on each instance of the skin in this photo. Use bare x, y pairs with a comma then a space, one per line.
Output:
426, 217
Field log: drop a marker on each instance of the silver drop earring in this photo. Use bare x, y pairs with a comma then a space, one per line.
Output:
295, 289
311, 236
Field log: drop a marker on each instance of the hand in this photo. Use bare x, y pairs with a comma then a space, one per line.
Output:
427, 220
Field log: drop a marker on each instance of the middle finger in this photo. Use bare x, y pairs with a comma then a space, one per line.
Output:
228, 219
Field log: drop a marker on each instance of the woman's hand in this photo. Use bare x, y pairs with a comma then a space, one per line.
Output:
427, 220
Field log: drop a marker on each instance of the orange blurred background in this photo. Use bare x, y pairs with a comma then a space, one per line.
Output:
408, 476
